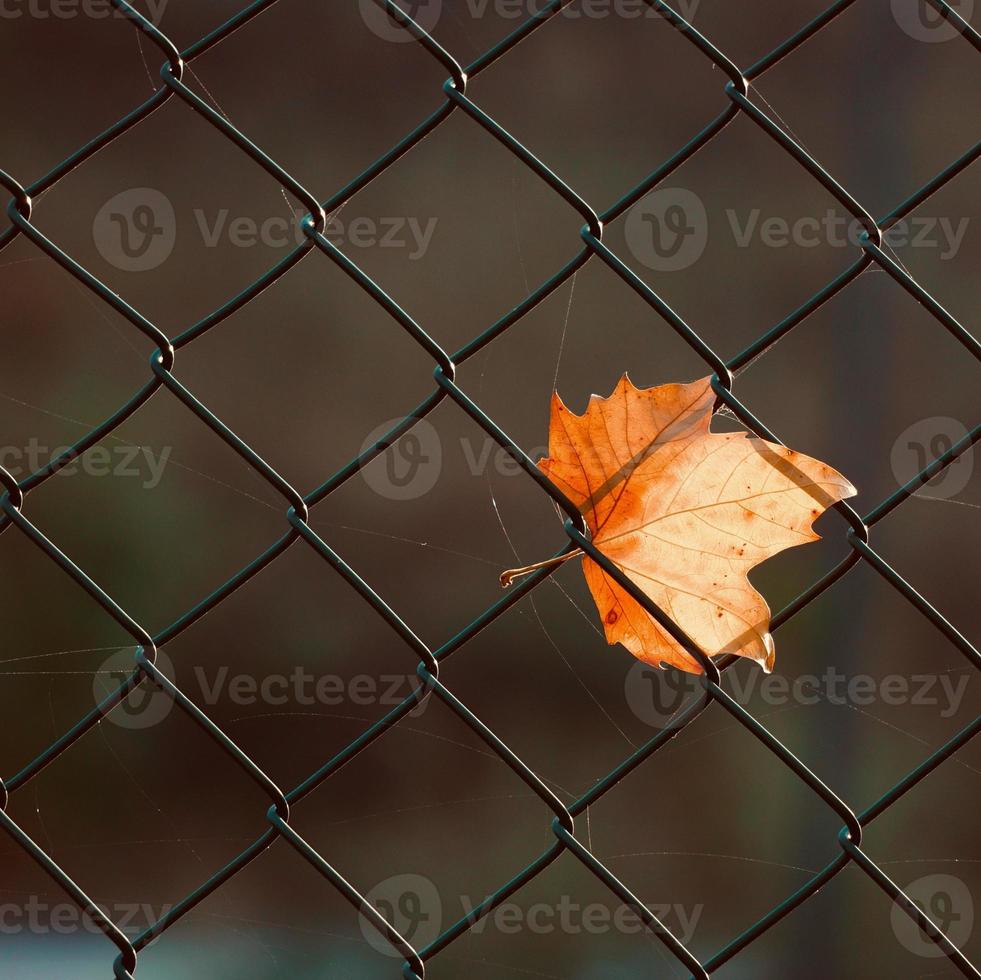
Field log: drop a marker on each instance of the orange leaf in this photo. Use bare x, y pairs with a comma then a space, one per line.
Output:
685, 513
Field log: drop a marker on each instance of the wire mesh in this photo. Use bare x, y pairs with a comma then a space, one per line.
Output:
738, 92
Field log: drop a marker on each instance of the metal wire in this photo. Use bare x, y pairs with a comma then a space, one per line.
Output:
738, 93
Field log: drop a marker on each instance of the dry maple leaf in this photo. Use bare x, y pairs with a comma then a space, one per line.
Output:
683, 512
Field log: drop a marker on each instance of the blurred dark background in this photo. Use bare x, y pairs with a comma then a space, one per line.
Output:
713, 828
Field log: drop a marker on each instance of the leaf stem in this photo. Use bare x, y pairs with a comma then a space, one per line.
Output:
512, 573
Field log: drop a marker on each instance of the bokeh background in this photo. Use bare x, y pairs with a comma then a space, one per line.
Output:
712, 829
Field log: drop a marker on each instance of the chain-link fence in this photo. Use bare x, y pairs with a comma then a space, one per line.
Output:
738, 92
